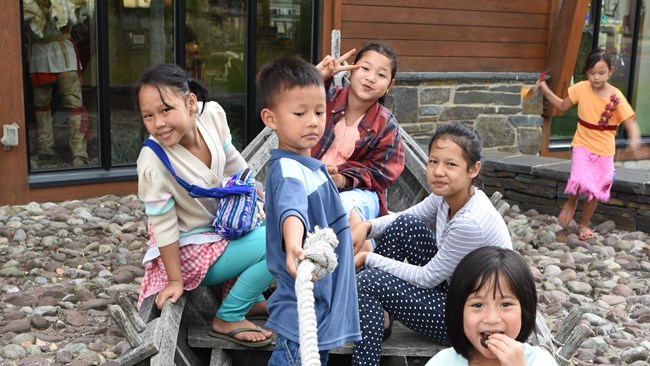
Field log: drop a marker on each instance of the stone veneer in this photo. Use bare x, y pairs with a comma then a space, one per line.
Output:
539, 182
489, 102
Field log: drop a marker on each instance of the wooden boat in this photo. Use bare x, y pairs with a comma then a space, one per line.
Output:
179, 334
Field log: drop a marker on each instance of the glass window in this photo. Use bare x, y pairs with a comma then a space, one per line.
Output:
616, 35
215, 52
80, 111
284, 27
140, 34
641, 91
61, 113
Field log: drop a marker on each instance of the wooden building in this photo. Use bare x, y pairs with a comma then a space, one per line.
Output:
459, 60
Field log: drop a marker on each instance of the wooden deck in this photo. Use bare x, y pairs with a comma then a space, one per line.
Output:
403, 347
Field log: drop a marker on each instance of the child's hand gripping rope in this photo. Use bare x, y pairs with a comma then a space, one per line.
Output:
319, 261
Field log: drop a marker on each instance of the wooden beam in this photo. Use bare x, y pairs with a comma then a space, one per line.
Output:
13, 185
564, 45
331, 19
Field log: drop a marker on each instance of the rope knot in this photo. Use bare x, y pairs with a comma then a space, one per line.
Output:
319, 248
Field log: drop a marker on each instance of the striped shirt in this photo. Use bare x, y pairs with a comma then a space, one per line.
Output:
477, 224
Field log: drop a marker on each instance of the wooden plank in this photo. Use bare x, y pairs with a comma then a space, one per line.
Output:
527, 6
387, 16
403, 342
564, 44
220, 357
13, 186
130, 333
485, 64
132, 356
77, 191
130, 312
167, 331
437, 32
466, 49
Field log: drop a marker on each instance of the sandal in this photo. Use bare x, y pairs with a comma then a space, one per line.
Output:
585, 233
230, 336
566, 215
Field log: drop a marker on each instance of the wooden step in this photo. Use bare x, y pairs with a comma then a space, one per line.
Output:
402, 342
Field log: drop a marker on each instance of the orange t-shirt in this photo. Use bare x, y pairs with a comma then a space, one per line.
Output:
590, 108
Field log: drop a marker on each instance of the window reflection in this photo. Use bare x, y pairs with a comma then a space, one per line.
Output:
58, 48
215, 40
616, 35
641, 93
140, 34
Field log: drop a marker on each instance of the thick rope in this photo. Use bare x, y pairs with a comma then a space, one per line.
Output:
319, 261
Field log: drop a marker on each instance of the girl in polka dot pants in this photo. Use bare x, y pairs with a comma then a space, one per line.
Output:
407, 274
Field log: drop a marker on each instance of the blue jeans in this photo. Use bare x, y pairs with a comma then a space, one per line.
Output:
366, 202
287, 353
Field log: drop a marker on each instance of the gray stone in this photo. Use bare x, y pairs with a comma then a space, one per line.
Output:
13, 352
434, 95
529, 140
483, 98
495, 131
634, 354
406, 107
456, 113
526, 121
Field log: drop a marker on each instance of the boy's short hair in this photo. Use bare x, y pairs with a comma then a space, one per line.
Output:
285, 73
472, 273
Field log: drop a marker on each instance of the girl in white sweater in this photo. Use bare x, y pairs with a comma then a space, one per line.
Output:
185, 252
414, 291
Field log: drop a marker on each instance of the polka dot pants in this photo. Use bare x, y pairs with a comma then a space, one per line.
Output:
422, 310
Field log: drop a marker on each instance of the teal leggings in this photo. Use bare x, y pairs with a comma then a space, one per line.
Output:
244, 258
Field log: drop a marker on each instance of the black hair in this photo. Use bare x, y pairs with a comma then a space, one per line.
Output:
382, 48
483, 267
174, 78
467, 138
285, 73
596, 56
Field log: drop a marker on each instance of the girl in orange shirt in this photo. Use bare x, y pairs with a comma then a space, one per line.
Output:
601, 109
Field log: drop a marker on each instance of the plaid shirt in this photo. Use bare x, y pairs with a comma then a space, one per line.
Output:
378, 157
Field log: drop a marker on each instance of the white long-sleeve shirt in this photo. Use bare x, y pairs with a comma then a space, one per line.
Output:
477, 224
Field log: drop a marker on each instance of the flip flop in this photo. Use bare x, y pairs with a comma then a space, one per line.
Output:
585, 234
230, 337
565, 216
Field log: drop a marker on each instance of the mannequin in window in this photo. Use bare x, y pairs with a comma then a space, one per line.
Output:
53, 59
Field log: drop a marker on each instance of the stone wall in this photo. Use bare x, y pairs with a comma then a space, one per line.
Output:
539, 182
490, 102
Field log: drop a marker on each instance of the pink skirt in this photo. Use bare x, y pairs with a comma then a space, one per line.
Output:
591, 176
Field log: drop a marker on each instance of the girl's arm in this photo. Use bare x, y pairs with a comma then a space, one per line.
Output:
633, 133
172, 261
559, 103
462, 238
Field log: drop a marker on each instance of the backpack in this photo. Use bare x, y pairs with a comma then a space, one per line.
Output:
240, 208
239, 213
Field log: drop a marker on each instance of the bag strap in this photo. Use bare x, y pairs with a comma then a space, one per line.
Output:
238, 187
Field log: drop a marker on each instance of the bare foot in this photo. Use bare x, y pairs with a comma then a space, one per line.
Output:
258, 308
222, 326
